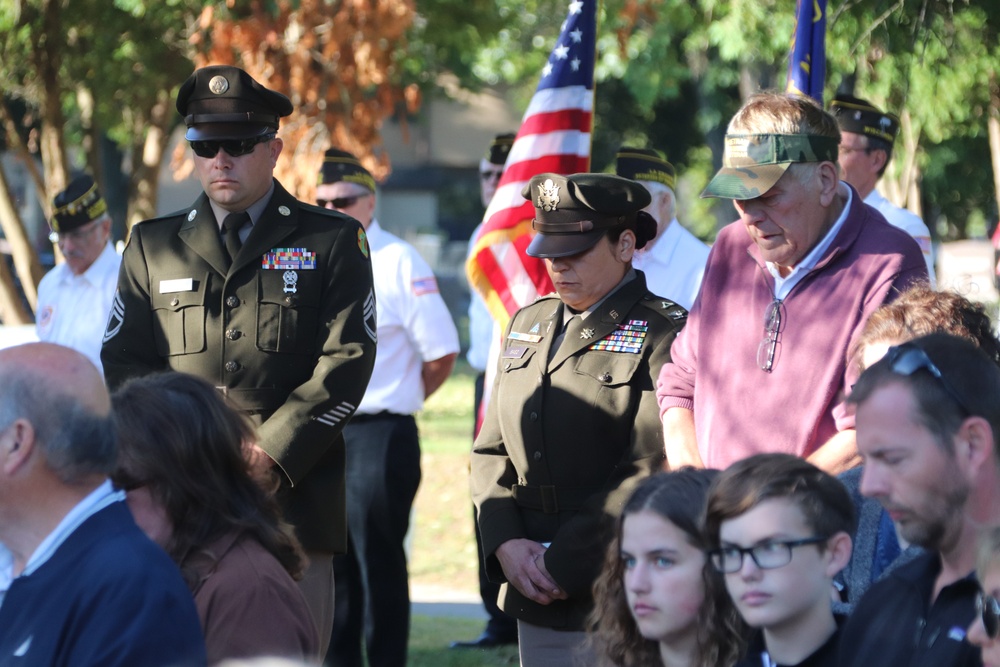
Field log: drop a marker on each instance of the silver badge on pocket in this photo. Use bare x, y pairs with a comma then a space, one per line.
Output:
291, 278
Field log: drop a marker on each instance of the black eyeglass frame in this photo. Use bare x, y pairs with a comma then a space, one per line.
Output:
209, 148
907, 359
716, 555
772, 329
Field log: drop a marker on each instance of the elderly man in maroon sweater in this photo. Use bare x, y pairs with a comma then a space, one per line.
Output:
762, 365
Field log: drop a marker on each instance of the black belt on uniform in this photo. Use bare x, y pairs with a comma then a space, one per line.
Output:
257, 400
551, 500
385, 414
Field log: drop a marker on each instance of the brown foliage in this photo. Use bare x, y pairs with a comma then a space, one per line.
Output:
335, 59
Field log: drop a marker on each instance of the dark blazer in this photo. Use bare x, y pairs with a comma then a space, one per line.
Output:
294, 347
565, 441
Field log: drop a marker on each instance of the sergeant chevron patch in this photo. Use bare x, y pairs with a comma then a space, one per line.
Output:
116, 318
337, 414
371, 321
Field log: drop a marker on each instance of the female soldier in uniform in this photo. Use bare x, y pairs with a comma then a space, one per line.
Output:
573, 424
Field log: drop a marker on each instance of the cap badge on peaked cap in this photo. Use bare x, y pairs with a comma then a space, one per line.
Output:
548, 195
218, 85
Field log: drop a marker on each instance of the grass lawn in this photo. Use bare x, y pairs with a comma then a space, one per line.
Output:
444, 549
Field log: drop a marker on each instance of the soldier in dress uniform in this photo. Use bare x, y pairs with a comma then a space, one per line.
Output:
572, 423
268, 298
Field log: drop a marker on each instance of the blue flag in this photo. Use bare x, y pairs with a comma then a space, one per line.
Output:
807, 62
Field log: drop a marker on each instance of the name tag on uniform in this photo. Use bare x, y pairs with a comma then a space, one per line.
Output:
177, 285
513, 352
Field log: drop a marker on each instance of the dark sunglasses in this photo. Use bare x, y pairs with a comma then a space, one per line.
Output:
233, 147
988, 607
340, 202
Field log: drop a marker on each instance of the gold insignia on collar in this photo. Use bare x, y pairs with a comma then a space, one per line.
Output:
548, 195
614, 314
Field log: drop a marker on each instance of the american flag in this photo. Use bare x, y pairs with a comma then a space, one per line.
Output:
807, 62
554, 137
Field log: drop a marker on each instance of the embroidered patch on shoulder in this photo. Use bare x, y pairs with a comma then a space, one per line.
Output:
294, 259
423, 286
363, 243
371, 319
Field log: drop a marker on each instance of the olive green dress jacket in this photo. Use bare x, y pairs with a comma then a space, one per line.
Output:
566, 440
287, 332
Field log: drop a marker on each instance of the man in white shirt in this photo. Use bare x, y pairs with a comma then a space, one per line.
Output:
417, 347
866, 138
75, 297
674, 261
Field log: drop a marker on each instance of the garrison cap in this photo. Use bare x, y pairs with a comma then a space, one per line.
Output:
644, 164
573, 212
224, 102
753, 163
856, 115
340, 165
500, 148
77, 205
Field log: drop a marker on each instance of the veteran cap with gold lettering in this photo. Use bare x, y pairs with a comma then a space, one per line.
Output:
859, 116
77, 205
644, 164
753, 163
340, 165
573, 212
224, 102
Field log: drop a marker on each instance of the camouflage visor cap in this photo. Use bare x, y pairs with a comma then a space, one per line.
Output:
753, 163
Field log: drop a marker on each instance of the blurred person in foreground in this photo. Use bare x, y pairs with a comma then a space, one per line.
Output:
189, 488
920, 310
75, 297
658, 602
674, 261
80, 584
985, 629
500, 628
928, 422
572, 424
867, 135
267, 298
762, 364
417, 347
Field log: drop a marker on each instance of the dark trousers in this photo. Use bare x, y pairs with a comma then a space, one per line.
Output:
373, 601
499, 623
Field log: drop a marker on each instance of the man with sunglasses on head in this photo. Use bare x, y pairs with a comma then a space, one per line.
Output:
74, 298
928, 424
417, 347
762, 364
266, 297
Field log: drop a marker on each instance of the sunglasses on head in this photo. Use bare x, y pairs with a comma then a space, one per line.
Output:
340, 202
233, 147
988, 607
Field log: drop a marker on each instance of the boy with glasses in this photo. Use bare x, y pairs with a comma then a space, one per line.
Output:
781, 528
927, 421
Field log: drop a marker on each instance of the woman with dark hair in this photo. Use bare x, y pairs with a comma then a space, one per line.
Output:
182, 465
656, 601
572, 424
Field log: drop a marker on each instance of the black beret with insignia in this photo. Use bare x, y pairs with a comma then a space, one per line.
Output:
340, 165
500, 148
224, 102
859, 116
77, 205
644, 164
573, 212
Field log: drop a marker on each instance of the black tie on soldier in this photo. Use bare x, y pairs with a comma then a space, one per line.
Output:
231, 227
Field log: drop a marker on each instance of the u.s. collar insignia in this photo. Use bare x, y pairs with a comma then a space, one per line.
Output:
363, 243
587, 334
614, 314
548, 195
192, 215
218, 85
291, 279
283, 210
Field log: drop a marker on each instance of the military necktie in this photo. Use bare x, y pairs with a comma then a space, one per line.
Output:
231, 232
